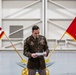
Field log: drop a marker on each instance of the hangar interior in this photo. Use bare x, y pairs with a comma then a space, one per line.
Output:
53, 17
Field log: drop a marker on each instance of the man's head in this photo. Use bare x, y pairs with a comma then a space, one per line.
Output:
35, 31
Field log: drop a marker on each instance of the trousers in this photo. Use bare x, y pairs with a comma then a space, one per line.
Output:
33, 71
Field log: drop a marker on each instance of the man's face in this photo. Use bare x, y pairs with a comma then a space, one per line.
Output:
36, 33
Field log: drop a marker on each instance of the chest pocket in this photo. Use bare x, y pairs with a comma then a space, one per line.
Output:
31, 44
42, 42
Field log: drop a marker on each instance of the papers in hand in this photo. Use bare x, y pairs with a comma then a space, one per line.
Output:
39, 54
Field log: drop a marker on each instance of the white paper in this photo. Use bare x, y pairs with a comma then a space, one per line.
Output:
39, 53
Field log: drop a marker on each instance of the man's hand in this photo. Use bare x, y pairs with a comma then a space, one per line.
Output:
45, 54
34, 55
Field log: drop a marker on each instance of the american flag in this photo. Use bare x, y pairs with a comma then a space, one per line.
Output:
1, 32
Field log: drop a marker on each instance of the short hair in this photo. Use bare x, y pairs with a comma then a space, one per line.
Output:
35, 27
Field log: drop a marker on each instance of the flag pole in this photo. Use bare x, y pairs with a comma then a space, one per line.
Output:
15, 48
54, 47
